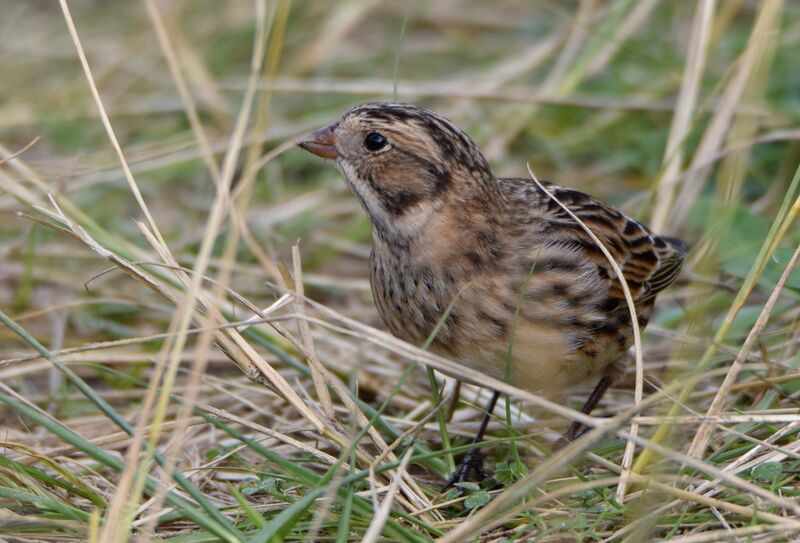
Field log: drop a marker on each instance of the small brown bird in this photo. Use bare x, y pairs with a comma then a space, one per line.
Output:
446, 230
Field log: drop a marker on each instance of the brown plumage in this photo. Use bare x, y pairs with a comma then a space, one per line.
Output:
447, 231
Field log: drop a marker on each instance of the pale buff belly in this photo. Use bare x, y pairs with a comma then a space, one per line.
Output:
540, 360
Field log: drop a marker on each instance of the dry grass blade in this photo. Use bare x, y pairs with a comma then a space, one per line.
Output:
269, 432
318, 372
382, 512
701, 439
757, 456
501, 74
688, 496
187, 100
684, 111
185, 310
762, 39
783, 221
627, 458
751, 490
721, 419
243, 354
151, 223
732, 533
16, 154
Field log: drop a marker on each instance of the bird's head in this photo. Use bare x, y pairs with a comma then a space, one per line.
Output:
405, 163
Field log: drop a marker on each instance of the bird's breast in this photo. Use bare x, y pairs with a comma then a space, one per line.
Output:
410, 299
537, 326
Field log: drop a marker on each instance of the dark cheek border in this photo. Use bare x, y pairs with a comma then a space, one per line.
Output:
398, 201
395, 202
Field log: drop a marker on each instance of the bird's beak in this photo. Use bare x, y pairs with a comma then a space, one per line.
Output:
321, 143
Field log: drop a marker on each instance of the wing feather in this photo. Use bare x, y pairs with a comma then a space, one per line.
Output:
648, 262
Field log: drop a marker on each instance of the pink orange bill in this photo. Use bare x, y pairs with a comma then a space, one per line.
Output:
321, 143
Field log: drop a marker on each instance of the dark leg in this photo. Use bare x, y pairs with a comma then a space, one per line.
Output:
451, 409
473, 460
576, 429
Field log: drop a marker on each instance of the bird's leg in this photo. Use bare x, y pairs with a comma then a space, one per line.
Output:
577, 429
451, 408
473, 460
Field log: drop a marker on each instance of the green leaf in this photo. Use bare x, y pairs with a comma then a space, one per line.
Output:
479, 499
768, 471
503, 473
48, 503
275, 531
255, 517
252, 485
506, 473
469, 486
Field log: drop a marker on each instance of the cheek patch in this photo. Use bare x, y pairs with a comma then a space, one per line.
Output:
395, 195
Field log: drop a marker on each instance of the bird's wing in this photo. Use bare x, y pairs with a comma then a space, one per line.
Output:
648, 262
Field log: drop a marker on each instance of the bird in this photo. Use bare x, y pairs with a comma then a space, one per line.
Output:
493, 262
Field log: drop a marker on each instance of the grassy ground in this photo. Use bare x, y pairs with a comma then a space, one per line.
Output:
142, 241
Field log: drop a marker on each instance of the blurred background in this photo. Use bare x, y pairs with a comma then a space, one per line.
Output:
684, 114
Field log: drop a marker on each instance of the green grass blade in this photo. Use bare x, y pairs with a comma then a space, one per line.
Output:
109, 411
115, 463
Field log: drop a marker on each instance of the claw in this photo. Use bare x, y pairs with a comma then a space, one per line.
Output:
472, 463
574, 431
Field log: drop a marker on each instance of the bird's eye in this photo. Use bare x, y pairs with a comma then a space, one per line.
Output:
375, 142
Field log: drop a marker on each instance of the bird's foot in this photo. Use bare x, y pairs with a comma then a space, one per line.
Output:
472, 463
575, 430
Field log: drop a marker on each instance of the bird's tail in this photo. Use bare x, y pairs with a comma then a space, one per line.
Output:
677, 244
